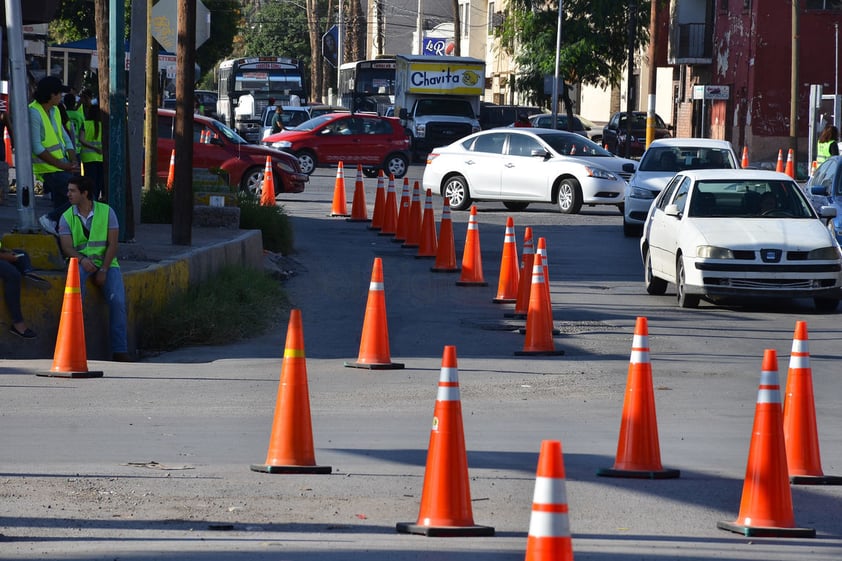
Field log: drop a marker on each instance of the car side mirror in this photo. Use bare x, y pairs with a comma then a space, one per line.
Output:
402, 114
540, 152
827, 211
820, 190
672, 210
629, 168
217, 141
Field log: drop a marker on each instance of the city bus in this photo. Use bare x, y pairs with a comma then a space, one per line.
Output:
368, 85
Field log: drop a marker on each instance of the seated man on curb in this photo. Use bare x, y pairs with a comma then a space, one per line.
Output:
88, 230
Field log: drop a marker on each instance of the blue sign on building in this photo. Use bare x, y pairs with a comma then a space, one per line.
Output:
436, 46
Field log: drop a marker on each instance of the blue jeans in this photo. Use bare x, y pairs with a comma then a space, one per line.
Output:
11, 289
115, 297
56, 185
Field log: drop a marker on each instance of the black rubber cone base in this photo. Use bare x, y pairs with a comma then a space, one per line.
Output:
504, 300
382, 233
471, 283
444, 531
358, 219
375, 366
634, 474
539, 353
815, 480
338, 215
766, 531
290, 469
87, 374
440, 270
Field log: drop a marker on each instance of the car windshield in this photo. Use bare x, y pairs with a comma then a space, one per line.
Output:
314, 122
230, 134
749, 199
679, 158
569, 144
450, 107
639, 121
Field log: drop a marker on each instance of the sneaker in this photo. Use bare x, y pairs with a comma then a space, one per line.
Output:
48, 225
28, 334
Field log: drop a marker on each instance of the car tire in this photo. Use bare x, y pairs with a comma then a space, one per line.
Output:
307, 161
252, 181
370, 172
826, 305
654, 285
397, 165
569, 196
456, 191
631, 230
684, 300
515, 205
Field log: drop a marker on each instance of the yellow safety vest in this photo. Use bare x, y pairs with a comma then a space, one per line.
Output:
823, 151
92, 245
91, 137
53, 142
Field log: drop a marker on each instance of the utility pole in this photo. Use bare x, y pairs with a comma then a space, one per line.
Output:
793, 92
185, 61
150, 127
653, 73
629, 83
117, 112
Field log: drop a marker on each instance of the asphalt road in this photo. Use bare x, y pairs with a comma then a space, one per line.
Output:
152, 461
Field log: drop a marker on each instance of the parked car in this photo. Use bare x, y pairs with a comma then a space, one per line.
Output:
825, 188
580, 125
319, 110
519, 166
491, 116
217, 147
615, 132
739, 233
290, 116
351, 138
661, 161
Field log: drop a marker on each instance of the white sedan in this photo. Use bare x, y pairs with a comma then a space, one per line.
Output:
519, 166
742, 232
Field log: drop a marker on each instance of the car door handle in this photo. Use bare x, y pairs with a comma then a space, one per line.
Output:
509, 165
470, 162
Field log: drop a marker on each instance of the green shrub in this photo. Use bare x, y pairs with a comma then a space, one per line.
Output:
156, 205
271, 220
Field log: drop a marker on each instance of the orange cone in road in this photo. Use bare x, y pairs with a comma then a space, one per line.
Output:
340, 204
539, 327
549, 526
766, 504
638, 451
801, 434
171, 173
446, 498
525, 279
7, 141
427, 245
379, 203
471, 256
359, 212
744, 163
790, 164
507, 285
542, 250
403, 213
413, 229
390, 211
779, 167
374, 343
71, 359
813, 168
291, 442
446, 250
267, 197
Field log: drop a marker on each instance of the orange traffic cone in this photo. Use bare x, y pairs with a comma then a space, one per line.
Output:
801, 434
390, 211
471, 256
507, 285
359, 212
340, 205
446, 250
413, 228
638, 452
171, 174
374, 343
267, 196
766, 504
291, 441
427, 245
525, 279
446, 498
790, 164
71, 359
539, 321
549, 526
403, 213
813, 168
7, 140
779, 167
744, 163
379, 203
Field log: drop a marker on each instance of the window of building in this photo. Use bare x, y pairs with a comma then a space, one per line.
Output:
835, 5
490, 25
466, 13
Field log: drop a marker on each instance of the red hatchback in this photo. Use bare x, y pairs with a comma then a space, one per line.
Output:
351, 138
216, 146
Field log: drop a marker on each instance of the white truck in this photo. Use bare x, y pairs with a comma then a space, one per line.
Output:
437, 98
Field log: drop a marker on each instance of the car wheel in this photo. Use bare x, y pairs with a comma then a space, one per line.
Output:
825, 305
684, 300
515, 205
370, 172
631, 230
252, 181
569, 196
306, 161
456, 191
654, 285
397, 165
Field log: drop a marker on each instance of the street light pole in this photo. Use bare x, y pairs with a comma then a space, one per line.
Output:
555, 74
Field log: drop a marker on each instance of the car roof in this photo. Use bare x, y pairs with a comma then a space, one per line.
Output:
735, 174
171, 113
691, 141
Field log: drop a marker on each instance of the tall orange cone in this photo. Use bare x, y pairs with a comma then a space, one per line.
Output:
379, 203
413, 228
813, 167
779, 167
427, 245
267, 196
507, 284
744, 163
71, 359
291, 442
404, 208
7, 141
525, 280
446, 498
374, 343
390, 211
446, 250
340, 204
171, 173
471, 256
539, 321
638, 451
549, 525
790, 164
801, 434
766, 504
359, 212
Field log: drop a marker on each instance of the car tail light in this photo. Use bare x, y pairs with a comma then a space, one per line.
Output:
431, 156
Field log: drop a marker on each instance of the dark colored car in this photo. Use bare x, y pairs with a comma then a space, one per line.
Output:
492, 116
615, 132
217, 147
351, 138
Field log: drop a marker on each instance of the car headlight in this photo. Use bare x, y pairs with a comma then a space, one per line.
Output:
282, 144
641, 193
600, 173
824, 254
420, 131
713, 252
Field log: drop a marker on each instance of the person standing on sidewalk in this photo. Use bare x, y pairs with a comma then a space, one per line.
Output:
53, 152
90, 150
88, 231
827, 144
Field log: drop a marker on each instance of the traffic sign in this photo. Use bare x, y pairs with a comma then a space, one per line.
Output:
330, 40
165, 23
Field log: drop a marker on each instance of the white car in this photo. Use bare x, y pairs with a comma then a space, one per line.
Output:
519, 166
661, 161
739, 233
291, 117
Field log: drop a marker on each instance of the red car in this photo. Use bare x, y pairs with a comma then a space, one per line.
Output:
351, 138
216, 146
